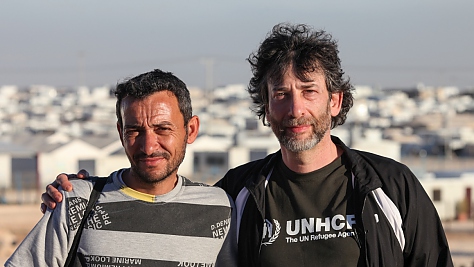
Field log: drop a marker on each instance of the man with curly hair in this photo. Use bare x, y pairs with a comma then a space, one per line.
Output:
317, 202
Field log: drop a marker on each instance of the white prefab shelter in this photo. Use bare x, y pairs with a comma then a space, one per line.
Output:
452, 197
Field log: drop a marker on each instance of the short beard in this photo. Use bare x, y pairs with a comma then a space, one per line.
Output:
154, 178
290, 141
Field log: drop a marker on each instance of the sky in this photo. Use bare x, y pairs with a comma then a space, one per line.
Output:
94, 43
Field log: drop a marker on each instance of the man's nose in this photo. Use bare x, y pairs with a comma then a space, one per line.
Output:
297, 107
149, 142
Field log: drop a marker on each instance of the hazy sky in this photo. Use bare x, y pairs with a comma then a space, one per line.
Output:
381, 43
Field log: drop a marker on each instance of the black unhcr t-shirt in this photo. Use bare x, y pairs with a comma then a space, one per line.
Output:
310, 218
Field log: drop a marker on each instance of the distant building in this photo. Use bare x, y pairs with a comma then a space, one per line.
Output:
452, 196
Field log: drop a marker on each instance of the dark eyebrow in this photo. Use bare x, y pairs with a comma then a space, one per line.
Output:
131, 126
165, 124
309, 85
278, 88
159, 124
306, 85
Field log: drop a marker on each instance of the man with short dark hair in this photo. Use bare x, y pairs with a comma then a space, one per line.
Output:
146, 215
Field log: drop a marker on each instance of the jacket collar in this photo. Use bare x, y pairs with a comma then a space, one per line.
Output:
366, 178
256, 183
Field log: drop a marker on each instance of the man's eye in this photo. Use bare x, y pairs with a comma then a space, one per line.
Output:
132, 132
310, 93
280, 95
163, 130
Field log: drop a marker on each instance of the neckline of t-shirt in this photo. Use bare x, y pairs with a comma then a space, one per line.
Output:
144, 196
303, 177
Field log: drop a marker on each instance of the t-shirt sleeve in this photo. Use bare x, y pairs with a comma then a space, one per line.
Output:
48, 243
228, 253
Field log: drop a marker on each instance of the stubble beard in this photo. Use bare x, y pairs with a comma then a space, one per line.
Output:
154, 177
291, 141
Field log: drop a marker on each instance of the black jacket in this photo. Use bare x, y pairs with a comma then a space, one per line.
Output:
421, 239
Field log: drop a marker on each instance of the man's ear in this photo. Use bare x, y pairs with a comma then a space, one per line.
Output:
336, 103
119, 130
266, 121
193, 129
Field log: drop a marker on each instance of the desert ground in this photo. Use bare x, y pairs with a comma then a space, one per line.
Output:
17, 220
15, 223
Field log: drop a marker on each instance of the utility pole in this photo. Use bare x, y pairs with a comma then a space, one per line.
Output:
209, 65
81, 54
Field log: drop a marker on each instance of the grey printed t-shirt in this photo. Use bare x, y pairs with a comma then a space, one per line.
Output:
189, 225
